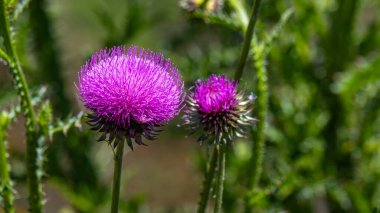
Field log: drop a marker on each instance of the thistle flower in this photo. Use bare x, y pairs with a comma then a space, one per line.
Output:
217, 111
130, 92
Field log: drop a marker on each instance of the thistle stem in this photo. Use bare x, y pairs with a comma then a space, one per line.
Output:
209, 176
34, 163
255, 165
247, 40
118, 161
220, 180
261, 115
6, 184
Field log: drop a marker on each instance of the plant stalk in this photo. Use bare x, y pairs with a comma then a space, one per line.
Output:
255, 165
259, 135
118, 161
6, 185
247, 39
34, 170
207, 184
220, 180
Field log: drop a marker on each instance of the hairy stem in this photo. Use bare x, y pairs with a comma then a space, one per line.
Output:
255, 165
6, 186
118, 161
207, 184
247, 39
220, 178
34, 170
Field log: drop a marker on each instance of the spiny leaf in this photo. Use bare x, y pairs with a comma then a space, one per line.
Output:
19, 8
38, 95
64, 125
36, 99
240, 13
219, 19
269, 40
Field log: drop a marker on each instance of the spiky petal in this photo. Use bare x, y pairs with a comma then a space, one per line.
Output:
130, 92
217, 111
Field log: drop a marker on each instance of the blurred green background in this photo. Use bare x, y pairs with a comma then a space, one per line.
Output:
323, 137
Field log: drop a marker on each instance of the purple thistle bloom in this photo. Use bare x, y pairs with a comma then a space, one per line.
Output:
217, 111
217, 94
130, 92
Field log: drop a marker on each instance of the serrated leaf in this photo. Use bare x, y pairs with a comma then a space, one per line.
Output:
273, 35
38, 95
19, 7
64, 125
218, 19
240, 12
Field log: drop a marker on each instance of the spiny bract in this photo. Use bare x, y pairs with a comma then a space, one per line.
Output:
217, 111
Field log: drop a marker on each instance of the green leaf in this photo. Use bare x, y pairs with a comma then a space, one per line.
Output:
273, 35
218, 19
19, 8
38, 95
64, 125
240, 13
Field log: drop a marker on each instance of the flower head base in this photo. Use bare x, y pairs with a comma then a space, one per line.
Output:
130, 92
217, 111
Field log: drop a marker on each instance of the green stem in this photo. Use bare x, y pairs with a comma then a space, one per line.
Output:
4, 56
255, 165
34, 170
247, 39
220, 180
6, 186
118, 161
205, 194
16, 71
261, 116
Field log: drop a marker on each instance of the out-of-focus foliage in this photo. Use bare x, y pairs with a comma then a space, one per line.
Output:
323, 110
322, 138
